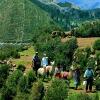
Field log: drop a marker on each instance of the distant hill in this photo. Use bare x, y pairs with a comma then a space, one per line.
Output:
20, 19
83, 4
66, 14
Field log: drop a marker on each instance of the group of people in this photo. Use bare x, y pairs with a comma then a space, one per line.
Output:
88, 78
37, 63
88, 75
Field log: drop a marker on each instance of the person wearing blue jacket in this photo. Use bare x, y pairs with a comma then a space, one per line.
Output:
44, 62
89, 78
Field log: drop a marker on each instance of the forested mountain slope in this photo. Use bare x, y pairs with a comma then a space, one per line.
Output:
66, 14
20, 19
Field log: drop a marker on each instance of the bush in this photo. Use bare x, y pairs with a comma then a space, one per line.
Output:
96, 45
91, 62
9, 51
31, 77
15, 54
97, 84
83, 96
13, 79
24, 48
98, 57
25, 82
22, 84
57, 91
10, 88
37, 92
21, 67
1, 97
21, 96
80, 58
4, 72
3, 55
88, 50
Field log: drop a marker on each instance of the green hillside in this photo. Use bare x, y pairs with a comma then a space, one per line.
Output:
69, 17
67, 4
20, 19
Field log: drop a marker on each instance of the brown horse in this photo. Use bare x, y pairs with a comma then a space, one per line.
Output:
66, 74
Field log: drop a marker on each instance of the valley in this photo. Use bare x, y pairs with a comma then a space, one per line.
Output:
61, 37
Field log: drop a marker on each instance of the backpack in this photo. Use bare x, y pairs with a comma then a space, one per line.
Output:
89, 73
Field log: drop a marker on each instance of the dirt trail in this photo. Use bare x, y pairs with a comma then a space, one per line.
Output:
25, 59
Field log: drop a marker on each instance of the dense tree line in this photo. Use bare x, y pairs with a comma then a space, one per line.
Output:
88, 29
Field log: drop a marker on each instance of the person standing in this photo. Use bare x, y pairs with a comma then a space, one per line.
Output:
58, 70
44, 63
76, 76
89, 78
36, 63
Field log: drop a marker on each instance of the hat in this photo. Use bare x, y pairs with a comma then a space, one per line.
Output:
44, 54
36, 52
89, 67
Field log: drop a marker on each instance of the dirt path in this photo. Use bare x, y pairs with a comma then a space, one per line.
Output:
25, 59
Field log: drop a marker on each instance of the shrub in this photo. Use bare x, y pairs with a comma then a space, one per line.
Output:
7, 51
13, 78
22, 84
57, 91
10, 88
21, 96
3, 55
80, 58
98, 57
37, 92
4, 72
21, 67
24, 48
96, 45
1, 98
88, 50
31, 77
83, 96
91, 62
26, 82
6, 94
96, 97
15, 54
97, 84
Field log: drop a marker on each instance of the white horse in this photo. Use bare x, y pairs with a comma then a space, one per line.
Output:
49, 71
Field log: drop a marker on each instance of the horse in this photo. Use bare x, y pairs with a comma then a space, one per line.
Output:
49, 71
66, 74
